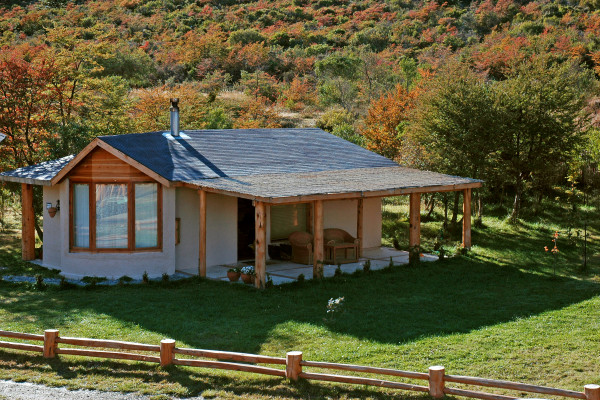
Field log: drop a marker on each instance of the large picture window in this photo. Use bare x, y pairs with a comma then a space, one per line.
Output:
286, 219
115, 216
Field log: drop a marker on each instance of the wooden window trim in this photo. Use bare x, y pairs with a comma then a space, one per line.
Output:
130, 216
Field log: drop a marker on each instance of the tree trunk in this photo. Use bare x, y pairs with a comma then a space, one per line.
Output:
38, 228
479, 220
517, 202
445, 210
538, 203
455, 208
431, 205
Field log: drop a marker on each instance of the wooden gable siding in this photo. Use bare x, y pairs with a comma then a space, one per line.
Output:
100, 165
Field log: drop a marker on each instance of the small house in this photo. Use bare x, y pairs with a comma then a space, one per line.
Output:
163, 201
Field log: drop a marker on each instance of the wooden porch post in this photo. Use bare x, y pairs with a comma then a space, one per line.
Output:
202, 233
260, 243
318, 252
27, 223
466, 233
414, 232
359, 226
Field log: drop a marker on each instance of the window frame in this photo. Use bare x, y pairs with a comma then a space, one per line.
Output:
130, 216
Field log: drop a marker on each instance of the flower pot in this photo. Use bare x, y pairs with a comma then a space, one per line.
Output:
233, 276
52, 212
248, 278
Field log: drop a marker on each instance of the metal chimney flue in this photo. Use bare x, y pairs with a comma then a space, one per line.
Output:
174, 117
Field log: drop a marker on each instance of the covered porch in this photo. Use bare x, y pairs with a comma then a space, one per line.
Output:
282, 272
318, 188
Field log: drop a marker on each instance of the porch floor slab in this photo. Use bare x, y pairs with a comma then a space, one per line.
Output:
287, 271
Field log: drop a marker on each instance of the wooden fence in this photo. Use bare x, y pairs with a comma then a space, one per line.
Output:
294, 366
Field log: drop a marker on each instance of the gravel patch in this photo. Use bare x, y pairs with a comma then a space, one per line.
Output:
31, 391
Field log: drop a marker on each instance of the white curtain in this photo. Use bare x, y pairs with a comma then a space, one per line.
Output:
146, 215
286, 219
81, 215
111, 216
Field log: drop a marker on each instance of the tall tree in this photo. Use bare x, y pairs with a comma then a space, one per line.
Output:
26, 105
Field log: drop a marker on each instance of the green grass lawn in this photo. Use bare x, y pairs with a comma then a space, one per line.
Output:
498, 312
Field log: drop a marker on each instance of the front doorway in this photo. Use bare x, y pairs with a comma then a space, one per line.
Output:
245, 230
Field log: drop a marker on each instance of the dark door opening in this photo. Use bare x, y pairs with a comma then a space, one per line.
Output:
245, 230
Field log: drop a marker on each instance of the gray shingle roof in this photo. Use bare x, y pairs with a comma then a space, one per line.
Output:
261, 163
38, 174
238, 152
359, 180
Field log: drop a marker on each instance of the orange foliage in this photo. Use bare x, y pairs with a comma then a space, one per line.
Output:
27, 103
383, 131
256, 113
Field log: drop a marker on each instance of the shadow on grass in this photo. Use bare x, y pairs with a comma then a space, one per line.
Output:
390, 306
179, 381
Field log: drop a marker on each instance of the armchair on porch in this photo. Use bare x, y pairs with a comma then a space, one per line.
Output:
302, 247
337, 240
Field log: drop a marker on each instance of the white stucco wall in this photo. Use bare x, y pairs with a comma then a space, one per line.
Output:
52, 227
221, 230
115, 265
342, 214
186, 252
372, 222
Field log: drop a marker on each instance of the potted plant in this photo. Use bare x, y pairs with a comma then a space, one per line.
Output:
248, 274
233, 274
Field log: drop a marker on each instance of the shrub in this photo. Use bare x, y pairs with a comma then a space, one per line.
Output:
334, 117
39, 283
269, 282
338, 270
301, 278
165, 277
246, 36
145, 278
367, 266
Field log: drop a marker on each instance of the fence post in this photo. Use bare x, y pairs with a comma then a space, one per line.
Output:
293, 366
50, 345
167, 352
436, 381
592, 392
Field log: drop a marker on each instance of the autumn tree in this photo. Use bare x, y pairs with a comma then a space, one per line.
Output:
27, 102
386, 122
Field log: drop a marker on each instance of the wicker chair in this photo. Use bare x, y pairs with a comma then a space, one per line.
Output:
337, 240
302, 247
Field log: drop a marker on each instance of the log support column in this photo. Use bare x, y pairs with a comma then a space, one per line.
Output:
28, 223
260, 243
466, 231
318, 252
414, 233
202, 233
359, 226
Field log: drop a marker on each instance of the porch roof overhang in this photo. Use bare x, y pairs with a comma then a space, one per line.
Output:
337, 184
38, 174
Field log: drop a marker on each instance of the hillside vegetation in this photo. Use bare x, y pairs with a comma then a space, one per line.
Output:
499, 90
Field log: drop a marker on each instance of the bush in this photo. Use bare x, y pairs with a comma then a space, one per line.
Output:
246, 36
338, 270
39, 283
367, 266
333, 118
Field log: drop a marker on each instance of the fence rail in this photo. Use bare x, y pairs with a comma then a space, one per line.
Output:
436, 377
